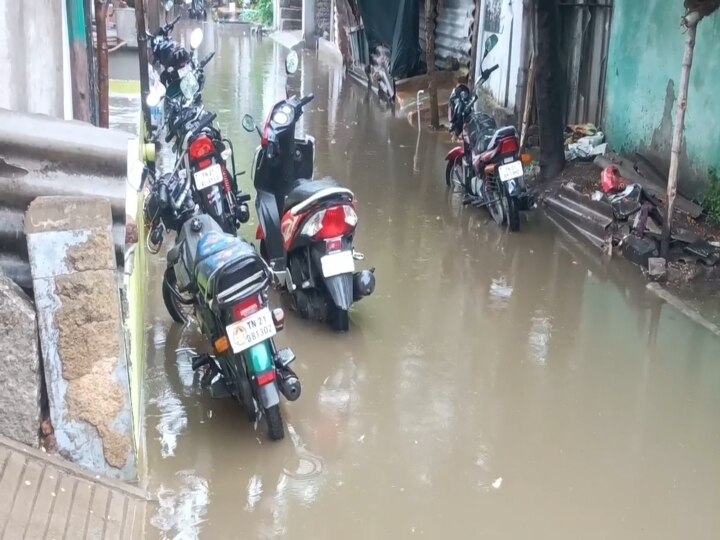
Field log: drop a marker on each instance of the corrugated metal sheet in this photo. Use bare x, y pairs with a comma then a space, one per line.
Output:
453, 31
585, 39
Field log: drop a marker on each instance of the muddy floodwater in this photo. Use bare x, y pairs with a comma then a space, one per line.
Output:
496, 385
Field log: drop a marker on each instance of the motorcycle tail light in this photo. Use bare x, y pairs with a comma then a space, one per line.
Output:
222, 345
201, 147
509, 146
266, 378
331, 223
246, 308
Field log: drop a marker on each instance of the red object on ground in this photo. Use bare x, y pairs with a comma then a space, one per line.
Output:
611, 181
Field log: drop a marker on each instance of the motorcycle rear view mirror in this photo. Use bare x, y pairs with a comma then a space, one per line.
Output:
196, 38
292, 62
490, 43
169, 5
248, 123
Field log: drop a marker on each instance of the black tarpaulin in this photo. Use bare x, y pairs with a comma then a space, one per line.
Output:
395, 24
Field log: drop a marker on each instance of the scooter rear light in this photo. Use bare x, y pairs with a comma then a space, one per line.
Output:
266, 378
201, 147
246, 308
509, 146
331, 223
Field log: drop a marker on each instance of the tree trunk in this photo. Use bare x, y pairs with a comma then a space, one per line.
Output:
102, 63
430, 6
690, 22
549, 89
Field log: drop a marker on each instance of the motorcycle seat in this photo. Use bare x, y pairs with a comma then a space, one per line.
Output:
215, 252
302, 189
507, 131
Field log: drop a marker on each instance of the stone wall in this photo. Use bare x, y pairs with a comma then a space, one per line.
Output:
79, 318
20, 369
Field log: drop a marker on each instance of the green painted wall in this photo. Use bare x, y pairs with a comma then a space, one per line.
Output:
644, 64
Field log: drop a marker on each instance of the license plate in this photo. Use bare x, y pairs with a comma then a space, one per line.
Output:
510, 171
337, 263
250, 331
208, 177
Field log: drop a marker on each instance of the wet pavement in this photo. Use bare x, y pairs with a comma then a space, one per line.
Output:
498, 385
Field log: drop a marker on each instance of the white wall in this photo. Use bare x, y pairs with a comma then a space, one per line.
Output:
507, 53
31, 56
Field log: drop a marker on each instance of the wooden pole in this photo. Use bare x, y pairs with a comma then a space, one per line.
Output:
690, 22
91, 61
78, 60
474, 47
143, 59
102, 63
529, 95
430, 7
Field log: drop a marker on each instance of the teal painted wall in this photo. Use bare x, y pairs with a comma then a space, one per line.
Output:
644, 63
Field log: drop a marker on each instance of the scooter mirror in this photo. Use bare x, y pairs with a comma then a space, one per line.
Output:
248, 123
292, 62
135, 175
169, 5
196, 38
490, 43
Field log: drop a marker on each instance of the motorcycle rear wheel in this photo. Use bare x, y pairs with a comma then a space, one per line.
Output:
339, 319
513, 214
274, 421
497, 208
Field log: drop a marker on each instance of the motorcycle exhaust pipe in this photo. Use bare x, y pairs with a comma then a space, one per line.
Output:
289, 385
363, 284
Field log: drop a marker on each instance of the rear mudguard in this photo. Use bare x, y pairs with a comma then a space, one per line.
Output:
269, 218
340, 289
455, 153
260, 360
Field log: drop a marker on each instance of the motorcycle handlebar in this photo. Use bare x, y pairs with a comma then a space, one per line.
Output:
207, 59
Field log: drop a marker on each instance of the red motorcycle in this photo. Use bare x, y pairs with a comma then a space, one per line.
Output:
488, 167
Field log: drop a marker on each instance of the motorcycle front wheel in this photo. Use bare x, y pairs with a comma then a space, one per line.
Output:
455, 174
179, 310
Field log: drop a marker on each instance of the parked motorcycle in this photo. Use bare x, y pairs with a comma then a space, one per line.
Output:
196, 9
203, 154
224, 283
488, 166
306, 226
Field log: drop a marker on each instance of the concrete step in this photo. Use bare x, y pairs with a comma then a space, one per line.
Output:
291, 13
290, 24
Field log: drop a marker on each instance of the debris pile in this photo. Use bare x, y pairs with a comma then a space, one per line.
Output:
583, 142
623, 209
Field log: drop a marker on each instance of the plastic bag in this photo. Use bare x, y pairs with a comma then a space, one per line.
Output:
611, 181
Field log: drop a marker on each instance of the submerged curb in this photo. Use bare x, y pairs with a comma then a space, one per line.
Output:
675, 301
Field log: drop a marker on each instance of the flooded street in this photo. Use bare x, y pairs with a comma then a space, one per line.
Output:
502, 385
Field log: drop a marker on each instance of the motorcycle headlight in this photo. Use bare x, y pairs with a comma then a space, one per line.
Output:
280, 117
189, 86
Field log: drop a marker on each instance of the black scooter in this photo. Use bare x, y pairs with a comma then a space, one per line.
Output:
306, 226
